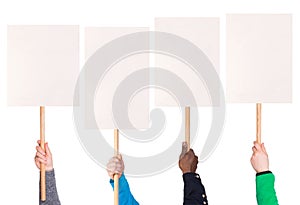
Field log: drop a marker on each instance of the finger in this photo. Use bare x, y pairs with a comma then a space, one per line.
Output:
119, 169
40, 150
257, 146
111, 166
122, 162
39, 155
117, 172
47, 149
109, 171
184, 149
114, 170
196, 160
40, 160
119, 156
256, 154
39, 142
36, 159
118, 165
254, 149
114, 165
112, 162
191, 153
37, 164
115, 159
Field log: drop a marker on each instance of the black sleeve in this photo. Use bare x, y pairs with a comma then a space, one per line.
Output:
194, 192
51, 191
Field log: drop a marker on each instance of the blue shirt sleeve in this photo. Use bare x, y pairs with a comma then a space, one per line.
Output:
125, 196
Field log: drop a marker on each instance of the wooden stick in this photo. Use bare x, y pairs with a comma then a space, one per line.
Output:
116, 177
187, 126
42, 139
258, 123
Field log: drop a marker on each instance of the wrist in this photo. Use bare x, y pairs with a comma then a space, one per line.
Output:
186, 171
49, 169
262, 173
262, 170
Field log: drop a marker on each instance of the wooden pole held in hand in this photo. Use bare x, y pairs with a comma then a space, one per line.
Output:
258, 123
116, 177
187, 126
42, 139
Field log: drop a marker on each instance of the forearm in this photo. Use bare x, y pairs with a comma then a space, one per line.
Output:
51, 191
194, 191
265, 191
125, 195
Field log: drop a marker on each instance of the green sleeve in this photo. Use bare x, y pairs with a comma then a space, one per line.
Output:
265, 191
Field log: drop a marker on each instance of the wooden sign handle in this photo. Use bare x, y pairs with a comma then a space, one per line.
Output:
187, 126
42, 139
258, 123
116, 177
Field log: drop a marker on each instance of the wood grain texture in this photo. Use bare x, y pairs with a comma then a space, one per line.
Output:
42, 139
187, 126
258, 123
116, 177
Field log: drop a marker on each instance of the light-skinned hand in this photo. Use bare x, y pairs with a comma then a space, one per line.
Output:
259, 159
44, 157
115, 166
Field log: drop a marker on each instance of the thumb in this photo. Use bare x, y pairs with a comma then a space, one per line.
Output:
184, 149
119, 156
47, 149
263, 148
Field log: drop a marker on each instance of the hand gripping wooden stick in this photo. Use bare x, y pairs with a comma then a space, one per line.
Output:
116, 177
258, 123
42, 139
187, 126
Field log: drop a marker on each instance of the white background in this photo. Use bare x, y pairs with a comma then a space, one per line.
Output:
227, 174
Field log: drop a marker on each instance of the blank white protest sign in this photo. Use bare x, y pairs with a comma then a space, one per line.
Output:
43, 64
259, 58
138, 107
203, 33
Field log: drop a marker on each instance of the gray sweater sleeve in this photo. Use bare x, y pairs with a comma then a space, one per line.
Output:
51, 191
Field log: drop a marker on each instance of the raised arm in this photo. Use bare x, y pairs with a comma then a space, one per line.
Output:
194, 191
265, 191
116, 166
45, 157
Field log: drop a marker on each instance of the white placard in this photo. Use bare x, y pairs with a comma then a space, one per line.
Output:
43, 64
138, 107
259, 58
203, 33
